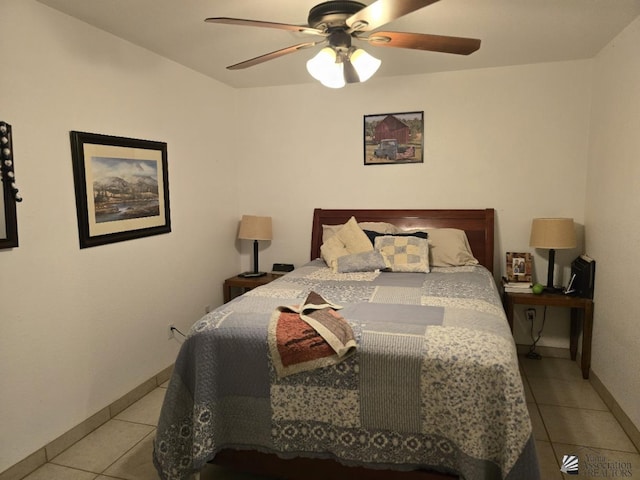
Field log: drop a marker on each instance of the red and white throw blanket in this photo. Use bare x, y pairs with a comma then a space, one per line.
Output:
308, 336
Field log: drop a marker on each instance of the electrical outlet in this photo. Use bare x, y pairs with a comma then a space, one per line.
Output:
170, 333
531, 314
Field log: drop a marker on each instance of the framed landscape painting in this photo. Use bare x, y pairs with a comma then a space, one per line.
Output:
122, 188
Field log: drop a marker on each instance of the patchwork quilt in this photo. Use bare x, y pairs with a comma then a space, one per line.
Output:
433, 382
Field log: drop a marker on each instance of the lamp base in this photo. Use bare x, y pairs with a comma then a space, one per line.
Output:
556, 290
252, 274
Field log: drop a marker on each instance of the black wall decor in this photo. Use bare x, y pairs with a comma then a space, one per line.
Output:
9, 195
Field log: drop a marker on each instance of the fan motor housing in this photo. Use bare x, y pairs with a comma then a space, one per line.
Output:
330, 15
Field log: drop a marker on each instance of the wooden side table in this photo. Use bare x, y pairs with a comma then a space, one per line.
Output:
581, 309
245, 284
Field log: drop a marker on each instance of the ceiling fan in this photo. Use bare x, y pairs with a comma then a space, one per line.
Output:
341, 21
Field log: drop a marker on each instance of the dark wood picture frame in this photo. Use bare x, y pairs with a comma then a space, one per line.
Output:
394, 138
8, 193
122, 188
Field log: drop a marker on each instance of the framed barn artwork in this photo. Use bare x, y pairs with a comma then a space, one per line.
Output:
122, 188
393, 138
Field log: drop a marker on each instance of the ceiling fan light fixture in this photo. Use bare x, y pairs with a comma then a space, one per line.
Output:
335, 69
365, 64
350, 73
325, 68
341, 21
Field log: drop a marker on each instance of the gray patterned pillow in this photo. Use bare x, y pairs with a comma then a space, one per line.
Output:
361, 262
404, 254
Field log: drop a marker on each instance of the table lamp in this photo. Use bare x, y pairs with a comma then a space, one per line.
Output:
552, 233
254, 228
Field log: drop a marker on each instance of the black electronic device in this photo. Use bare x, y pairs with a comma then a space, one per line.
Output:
281, 268
583, 273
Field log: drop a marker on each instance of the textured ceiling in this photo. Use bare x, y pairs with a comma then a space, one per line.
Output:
513, 32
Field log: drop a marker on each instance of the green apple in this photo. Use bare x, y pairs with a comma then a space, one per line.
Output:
537, 289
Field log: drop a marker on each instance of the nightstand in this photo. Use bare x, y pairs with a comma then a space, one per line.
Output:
244, 284
581, 309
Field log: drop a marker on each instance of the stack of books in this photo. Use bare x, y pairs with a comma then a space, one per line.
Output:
516, 287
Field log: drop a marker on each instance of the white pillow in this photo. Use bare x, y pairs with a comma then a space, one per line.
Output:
348, 239
331, 250
448, 247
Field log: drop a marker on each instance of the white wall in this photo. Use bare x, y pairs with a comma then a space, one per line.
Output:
613, 219
510, 138
80, 328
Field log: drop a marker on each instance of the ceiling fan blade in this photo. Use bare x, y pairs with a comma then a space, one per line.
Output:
270, 56
258, 23
382, 12
423, 41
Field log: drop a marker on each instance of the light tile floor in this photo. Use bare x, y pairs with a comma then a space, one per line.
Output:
568, 417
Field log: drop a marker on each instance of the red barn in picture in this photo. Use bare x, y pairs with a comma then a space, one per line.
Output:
391, 127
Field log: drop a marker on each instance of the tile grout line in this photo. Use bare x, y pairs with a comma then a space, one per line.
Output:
67, 467
609, 409
555, 446
103, 472
613, 407
544, 424
153, 432
30, 464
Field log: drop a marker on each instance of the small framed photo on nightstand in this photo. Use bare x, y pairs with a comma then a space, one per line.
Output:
519, 267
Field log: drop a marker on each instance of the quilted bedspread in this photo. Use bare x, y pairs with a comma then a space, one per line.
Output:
434, 382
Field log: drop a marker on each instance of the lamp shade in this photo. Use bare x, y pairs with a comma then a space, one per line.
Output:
255, 228
556, 233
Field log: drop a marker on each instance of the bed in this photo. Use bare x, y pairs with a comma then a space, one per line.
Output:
432, 389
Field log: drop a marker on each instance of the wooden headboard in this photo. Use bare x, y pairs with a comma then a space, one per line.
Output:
478, 225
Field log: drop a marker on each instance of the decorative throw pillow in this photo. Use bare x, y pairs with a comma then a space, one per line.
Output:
354, 239
331, 250
348, 239
361, 262
404, 253
329, 231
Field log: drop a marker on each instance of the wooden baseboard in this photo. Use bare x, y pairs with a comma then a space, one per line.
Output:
64, 441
